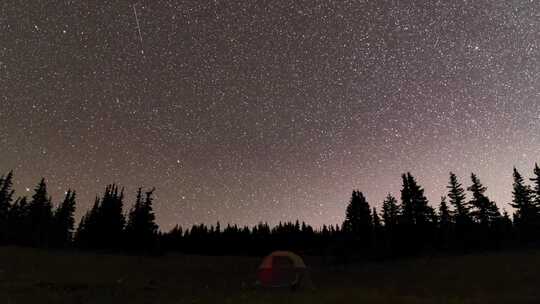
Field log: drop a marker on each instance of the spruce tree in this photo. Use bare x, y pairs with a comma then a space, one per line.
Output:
407, 208
40, 216
390, 212
133, 222
461, 213
6, 193
391, 216
445, 224
6, 196
456, 193
526, 212
484, 211
87, 234
418, 218
536, 187
422, 212
141, 229
445, 218
358, 220
64, 221
110, 218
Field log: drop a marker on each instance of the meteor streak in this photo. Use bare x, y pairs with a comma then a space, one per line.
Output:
138, 28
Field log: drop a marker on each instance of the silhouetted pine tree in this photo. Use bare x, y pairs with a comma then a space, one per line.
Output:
422, 212
40, 216
412, 226
456, 193
418, 218
405, 237
141, 229
536, 192
445, 224
445, 218
390, 212
483, 210
407, 209
485, 213
64, 221
461, 213
358, 221
390, 215
303, 228
87, 234
110, 219
325, 232
6, 196
526, 211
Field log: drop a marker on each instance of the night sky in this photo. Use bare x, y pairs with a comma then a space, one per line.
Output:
248, 111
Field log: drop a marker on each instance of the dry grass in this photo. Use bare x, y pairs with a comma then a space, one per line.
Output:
36, 276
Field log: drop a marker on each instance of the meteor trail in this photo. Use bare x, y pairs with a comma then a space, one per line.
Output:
138, 28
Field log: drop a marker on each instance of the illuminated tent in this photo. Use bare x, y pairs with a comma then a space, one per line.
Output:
284, 269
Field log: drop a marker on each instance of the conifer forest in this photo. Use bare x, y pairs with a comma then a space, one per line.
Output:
463, 221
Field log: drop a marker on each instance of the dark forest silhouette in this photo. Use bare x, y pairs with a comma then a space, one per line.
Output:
403, 227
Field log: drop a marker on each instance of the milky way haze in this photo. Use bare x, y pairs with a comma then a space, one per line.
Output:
247, 111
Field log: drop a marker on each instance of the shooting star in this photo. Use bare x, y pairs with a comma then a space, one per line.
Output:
138, 28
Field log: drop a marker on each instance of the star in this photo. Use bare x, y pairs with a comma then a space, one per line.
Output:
252, 112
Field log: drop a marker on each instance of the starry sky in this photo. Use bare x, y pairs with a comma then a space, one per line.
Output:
248, 111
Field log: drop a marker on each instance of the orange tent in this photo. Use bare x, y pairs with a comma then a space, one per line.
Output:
283, 269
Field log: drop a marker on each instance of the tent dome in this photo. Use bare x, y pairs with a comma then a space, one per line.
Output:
283, 269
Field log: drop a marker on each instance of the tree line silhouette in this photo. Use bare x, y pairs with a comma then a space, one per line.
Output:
405, 227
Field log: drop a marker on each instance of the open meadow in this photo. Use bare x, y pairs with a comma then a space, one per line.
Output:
37, 276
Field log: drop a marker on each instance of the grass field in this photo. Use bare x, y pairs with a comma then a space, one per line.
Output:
36, 276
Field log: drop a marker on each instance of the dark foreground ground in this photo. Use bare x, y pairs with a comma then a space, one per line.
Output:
36, 276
